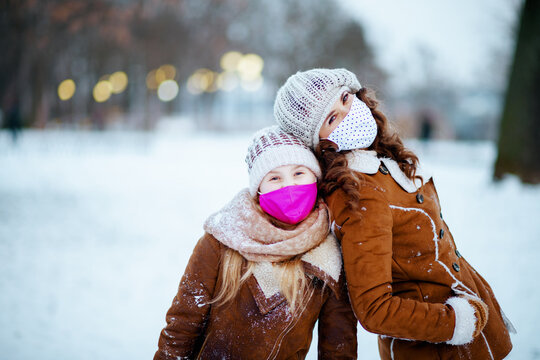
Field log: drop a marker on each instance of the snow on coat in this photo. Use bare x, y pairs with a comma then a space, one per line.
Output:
402, 266
258, 323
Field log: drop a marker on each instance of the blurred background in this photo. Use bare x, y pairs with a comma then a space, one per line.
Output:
441, 70
125, 124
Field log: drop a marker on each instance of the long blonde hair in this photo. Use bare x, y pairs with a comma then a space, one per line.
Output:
235, 270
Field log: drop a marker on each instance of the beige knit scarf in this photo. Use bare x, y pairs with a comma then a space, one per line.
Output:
242, 226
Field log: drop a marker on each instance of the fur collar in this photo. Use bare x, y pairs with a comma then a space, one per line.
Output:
242, 226
367, 162
323, 262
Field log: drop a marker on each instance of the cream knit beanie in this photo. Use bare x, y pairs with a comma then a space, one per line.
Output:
307, 97
270, 148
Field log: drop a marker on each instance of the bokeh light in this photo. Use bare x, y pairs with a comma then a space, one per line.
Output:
151, 82
159, 75
102, 91
250, 67
202, 80
66, 89
229, 61
239, 69
165, 72
119, 81
167, 90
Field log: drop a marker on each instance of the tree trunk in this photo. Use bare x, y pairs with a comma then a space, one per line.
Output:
519, 134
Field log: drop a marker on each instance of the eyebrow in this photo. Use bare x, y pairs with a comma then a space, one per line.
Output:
273, 172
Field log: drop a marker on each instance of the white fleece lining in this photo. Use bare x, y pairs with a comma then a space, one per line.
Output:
399, 176
465, 321
364, 161
509, 326
267, 278
326, 256
367, 162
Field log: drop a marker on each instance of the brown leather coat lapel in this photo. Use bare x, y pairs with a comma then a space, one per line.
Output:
264, 304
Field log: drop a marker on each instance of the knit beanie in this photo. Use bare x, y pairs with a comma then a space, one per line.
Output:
270, 148
307, 97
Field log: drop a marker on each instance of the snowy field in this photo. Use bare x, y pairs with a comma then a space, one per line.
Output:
96, 229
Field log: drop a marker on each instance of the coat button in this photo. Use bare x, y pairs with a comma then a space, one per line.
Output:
455, 266
383, 169
441, 234
440, 214
458, 254
420, 198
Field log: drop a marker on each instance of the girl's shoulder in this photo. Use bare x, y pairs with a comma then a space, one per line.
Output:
209, 244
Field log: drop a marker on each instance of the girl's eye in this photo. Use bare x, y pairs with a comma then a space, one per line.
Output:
331, 120
273, 178
299, 173
345, 97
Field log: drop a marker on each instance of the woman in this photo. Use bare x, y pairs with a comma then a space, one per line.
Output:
407, 281
266, 269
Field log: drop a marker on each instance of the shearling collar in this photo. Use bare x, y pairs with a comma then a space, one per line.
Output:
323, 262
241, 226
367, 162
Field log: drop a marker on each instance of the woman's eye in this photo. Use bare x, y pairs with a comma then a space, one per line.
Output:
299, 173
331, 120
274, 178
345, 97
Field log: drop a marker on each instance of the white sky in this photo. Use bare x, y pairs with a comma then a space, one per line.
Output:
464, 36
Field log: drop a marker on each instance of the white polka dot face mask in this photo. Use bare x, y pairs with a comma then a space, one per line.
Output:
357, 130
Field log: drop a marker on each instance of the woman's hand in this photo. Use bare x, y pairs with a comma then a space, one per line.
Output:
471, 318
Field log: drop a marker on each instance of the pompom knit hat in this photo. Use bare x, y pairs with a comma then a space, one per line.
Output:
270, 148
307, 97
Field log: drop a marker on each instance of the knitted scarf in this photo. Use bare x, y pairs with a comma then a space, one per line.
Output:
242, 226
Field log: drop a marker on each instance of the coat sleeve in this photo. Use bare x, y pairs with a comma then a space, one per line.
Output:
366, 240
186, 318
337, 327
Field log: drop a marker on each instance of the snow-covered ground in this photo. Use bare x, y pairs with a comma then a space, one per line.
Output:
96, 229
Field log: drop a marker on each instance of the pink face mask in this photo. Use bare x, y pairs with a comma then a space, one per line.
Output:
290, 204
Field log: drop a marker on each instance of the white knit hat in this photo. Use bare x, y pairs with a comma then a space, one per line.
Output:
305, 99
270, 148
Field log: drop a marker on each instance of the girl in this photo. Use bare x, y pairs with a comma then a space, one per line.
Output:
407, 281
266, 269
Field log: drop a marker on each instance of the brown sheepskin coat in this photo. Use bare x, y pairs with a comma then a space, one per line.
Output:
402, 266
258, 323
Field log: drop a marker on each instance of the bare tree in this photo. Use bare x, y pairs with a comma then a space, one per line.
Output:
519, 135
51, 40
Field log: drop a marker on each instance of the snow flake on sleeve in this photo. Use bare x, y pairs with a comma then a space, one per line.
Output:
199, 300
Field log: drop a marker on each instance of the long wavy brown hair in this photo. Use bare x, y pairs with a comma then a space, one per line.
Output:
336, 173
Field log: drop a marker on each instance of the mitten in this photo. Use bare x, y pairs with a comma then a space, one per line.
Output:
481, 314
471, 317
